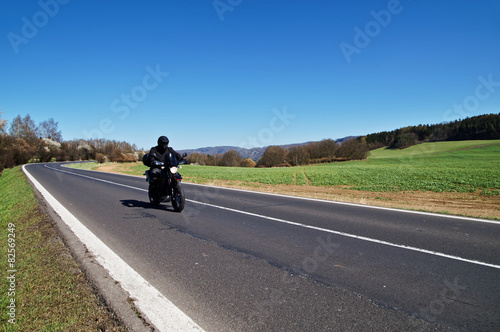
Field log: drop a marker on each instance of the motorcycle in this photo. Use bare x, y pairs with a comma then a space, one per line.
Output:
167, 186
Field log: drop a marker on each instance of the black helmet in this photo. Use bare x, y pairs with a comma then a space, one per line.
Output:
163, 141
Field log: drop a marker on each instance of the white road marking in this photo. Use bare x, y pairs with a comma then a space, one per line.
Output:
363, 238
326, 230
160, 311
448, 216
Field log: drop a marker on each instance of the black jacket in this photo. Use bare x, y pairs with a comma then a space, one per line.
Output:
158, 153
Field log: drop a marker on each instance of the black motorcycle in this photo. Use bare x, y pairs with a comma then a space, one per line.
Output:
167, 185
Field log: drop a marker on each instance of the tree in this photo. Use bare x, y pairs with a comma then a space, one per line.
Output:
43, 152
16, 127
48, 129
3, 124
404, 140
352, 150
15, 151
273, 156
327, 148
231, 158
24, 128
197, 158
298, 155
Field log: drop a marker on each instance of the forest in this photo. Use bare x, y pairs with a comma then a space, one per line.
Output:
475, 128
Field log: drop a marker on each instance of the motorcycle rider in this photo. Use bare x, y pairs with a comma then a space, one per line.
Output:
158, 153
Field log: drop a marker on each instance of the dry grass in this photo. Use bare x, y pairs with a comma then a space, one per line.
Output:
51, 292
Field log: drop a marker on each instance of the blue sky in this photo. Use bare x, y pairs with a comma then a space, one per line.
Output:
247, 72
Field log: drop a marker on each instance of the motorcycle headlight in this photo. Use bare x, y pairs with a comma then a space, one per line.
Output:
173, 170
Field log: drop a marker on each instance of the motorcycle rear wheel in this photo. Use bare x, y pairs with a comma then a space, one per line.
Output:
154, 194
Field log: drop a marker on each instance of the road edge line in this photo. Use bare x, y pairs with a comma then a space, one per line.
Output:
162, 313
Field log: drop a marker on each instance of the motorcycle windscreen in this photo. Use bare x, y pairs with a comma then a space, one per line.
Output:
171, 160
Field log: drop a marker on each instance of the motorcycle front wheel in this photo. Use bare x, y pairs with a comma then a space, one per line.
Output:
178, 198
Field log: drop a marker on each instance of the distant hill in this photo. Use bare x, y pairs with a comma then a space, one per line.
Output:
252, 153
481, 127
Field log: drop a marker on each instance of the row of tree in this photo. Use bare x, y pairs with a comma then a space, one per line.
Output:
26, 142
316, 152
324, 151
25, 128
231, 159
474, 128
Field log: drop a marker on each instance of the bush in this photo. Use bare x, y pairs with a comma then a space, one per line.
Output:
120, 157
101, 159
248, 163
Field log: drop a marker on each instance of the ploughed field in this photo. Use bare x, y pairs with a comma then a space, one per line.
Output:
460, 177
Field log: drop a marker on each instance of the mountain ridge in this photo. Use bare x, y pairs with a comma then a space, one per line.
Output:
252, 153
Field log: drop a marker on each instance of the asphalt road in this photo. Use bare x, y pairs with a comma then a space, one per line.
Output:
244, 261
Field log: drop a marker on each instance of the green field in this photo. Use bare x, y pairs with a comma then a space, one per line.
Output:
463, 166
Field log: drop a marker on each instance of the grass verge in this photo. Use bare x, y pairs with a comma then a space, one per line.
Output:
42, 288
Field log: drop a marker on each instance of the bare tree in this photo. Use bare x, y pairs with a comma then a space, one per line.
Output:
322, 149
23, 128
298, 155
48, 129
327, 148
16, 127
197, 158
3, 124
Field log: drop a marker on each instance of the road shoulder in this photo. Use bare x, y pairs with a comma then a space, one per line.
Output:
109, 291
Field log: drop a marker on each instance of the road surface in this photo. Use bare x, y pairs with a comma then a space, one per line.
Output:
244, 261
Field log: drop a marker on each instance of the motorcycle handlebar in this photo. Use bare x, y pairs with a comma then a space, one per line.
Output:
157, 163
